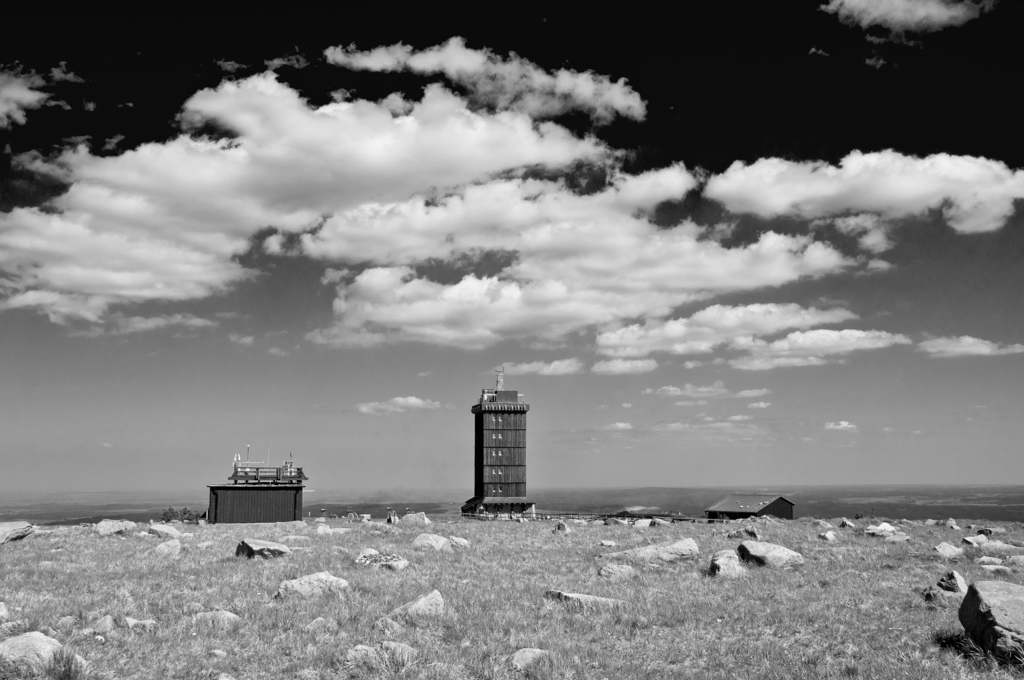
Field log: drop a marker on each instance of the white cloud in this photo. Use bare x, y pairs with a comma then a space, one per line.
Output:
973, 194
558, 367
717, 431
277, 352
618, 427
18, 93
627, 404
810, 348
871, 231
246, 340
397, 405
753, 393
692, 402
130, 325
511, 83
61, 73
716, 389
624, 366
713, 326
908, 15
841, 425
738, 418
967, 346
759, 404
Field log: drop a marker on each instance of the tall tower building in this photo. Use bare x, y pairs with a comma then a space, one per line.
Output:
499, 451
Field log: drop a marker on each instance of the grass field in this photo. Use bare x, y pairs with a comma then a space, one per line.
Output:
851, 611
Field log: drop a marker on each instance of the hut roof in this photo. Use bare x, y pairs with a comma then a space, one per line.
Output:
745, 502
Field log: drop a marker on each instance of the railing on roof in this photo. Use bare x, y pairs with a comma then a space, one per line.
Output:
266, 474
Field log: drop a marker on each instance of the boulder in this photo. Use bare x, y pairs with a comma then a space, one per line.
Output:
846, 524
105, 625
992, 614
291, 538
828, 536
726, 563
975, 541
951, 524
988, 531
641, 523
439, 543
659, 553
949, 551
952, 581
997, 547
109, 527
616, 572
218, 619
312, 585
400, 654
898, 537
608, 544
526, 657
938, 596
164, 531
997, 569
988, 559
4, 612
388, 627
768, 554
659, 522
424, 606
416, 519
822, 524
368, 557
931, 522
881, 529
582, 601
616, 522
32, 649
365, 658
561, 528
169, 549
1015, 560
147, 625
321, 626
459, 542
14, 531
254, 547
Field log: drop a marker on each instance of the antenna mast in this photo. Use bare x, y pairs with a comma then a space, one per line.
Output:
501, 377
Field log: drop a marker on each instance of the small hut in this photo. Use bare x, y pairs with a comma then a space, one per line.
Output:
740, 505
258, 493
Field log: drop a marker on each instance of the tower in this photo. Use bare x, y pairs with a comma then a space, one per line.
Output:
499, 451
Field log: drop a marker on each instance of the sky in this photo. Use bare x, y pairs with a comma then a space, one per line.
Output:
764, 244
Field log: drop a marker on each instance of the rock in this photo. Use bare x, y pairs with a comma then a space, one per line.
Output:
659, 522
579, 522
951, 524
203, 545
846, 524
66, 623
997, 547
822, 524
752, 532
685, 549
953, 582
616, 522
881, 529
768, 554
458, 542
424, 606
828, 536
218, 654
416, 519
526, 657
4, 612
324, 530
170, 549
164, 531
726, 563
931, 522
368, 557
293, 538
616, 572
975, 541
14, 531
936, 596
949, 551
401, 654
218, 619
321, 626
320, 520
582, 601
147, 625
736, 533
439, 543
997, 569
105, 625
992, 614
898, 537
987, 559
363, 657
32, 649
388, 626
254, 547
144, 534
561, 528
988, 531
1015, 560
312, 585
641, 524
608, 544
109, 527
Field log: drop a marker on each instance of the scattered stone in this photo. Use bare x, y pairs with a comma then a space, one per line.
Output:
846, 524
949, 551
368, 557
881, 529
144, 534
582, 601
424, 606
641, 524
608, 544
685, 549
975, 541
4, 612
439, 543
324, 530
726, 563
997, 547
561, 528
171, 548
14, 531
291, 538
254, 547
736, 533
988, 531
109, 527
164, 531
218, 619
937, 596
828, 536
580, 522
459, 542
988, 559
931, 522
768, 554
312, 585
66, 623
1015, 560
822, 524
951, 524
401, 654
953, 581
997, 569
659, 522
992, 614
105, 625
898, 537
416, 519
389, 627
33, 649
752, 532
218, 654
147, 625
616, 572
616, 522
363, 657
526, 657
321, 626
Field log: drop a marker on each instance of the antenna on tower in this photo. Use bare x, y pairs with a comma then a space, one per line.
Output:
501, 377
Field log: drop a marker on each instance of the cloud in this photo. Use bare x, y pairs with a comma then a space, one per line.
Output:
627, 404
973, 194
296, 61
918, 16
717, 431
61, 73
810, 348
624, 366
759, 404
966, 346
752, 393
17, 95
618, 427
397, 405
557, 367
511, 83
738, 418
130, 325
692, 402
245, 340
841, 426
711, 327
716, 389
278, 352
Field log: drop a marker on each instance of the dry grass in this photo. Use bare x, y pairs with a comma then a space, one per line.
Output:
850, 612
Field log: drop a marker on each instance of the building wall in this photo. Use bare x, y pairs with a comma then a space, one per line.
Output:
499, 460
778, 508
241, 503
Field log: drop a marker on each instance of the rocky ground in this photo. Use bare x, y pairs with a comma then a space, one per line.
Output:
542, 599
